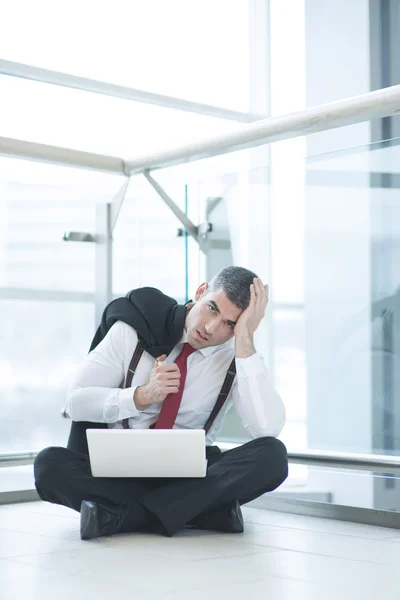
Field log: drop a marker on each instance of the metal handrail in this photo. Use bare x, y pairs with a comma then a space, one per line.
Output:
76, 82
364, 462
372, 105
17, 459
377, 104
56, 155
353, 461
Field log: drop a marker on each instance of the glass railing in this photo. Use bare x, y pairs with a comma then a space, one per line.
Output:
47, 292
324, 230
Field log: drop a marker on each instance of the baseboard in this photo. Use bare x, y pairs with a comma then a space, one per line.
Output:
18, 496
324, 510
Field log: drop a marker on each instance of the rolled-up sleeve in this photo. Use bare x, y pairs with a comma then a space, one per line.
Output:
95, 394
260, 407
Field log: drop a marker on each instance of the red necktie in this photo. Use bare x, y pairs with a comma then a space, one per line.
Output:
172, 402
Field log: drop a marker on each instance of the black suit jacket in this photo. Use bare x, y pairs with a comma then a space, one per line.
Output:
158, 319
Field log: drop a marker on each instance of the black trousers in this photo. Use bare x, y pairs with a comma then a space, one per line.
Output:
63, 476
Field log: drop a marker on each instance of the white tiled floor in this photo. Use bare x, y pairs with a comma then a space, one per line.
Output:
280, 556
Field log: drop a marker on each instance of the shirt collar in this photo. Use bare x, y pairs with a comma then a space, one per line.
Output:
210, 349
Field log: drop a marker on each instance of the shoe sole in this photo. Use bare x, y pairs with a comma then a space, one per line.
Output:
88, 517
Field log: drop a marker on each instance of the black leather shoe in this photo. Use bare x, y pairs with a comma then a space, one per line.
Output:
98, 520
227, 518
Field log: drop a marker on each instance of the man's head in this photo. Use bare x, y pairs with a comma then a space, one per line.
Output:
219, 304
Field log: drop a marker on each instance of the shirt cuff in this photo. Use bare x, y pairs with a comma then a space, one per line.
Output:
127, 407
252, 365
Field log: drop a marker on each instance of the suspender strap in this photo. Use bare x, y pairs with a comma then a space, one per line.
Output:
131, 371
223, 395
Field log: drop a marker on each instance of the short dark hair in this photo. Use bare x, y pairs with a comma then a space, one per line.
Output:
235, 283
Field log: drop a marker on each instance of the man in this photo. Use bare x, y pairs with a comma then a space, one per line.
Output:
218, 326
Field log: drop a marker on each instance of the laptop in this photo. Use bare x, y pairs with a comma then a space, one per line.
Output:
147, 453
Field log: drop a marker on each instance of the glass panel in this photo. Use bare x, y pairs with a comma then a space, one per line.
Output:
287, 233
42, 344
351, 299
236, 204
44, 334
290, 373
365, 489
174, 48
17, 478
38, 204
326, 240
147, 250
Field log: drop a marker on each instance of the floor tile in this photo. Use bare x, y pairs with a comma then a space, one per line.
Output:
26, 582
275, 589
363, 580
15, 544
361, 577
50, 525
328, 544
40, 507
290, 521
185, 548
127, 563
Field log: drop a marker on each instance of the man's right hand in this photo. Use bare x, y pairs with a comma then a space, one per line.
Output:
164, 380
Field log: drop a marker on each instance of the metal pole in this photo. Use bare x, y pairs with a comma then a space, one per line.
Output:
23, 71
103, 260
56, 155
372, 105
338, 460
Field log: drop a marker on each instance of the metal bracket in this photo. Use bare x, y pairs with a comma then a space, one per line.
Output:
212, 203
116, 205
188, 226
78, 236
204, 229
117, 202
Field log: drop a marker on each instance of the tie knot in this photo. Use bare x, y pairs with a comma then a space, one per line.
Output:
187, 350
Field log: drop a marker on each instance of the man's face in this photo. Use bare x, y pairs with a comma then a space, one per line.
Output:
211, 320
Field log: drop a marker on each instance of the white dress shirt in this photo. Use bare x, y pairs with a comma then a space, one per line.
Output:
96, 393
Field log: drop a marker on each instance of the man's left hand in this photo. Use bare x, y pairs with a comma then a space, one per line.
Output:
251, 317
